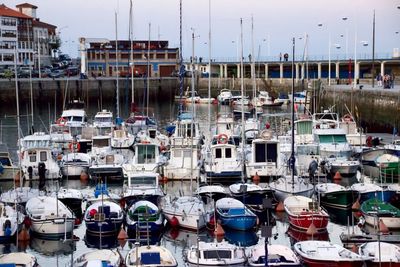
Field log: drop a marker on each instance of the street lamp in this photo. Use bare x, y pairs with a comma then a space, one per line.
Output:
329, 56
347, 37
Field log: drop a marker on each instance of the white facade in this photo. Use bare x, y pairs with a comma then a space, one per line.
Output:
8, 39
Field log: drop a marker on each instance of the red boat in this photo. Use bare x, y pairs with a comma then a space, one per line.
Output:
297, 235
303, 212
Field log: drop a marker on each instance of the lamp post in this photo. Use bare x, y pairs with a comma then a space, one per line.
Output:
329, 55
347, 37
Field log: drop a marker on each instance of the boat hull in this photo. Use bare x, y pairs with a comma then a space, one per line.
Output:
385, 195
390, 222
318, 263
187, 221
303, 222
69, 170
107, 227
53, 228
241, 223
339, 199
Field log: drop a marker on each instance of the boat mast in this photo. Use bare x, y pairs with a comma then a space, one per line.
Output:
193, 117
242, 92
116, 61
148, 73
181, 67
131, 56
292, 158
253, 66
209, 67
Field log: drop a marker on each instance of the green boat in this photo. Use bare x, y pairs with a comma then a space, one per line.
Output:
336, 196
389, 167
375, 211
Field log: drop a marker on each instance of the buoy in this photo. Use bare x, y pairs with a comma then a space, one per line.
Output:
23, 234
122, 234
357, 214
354, 248
122, 203
280, 207
84, 176
211, 223
27, 222
174, 233
312, 230
59, 157
163, 179
219, 231
337, 176
77, 221
258, 221
256, 179
382, 227
174, 222
356, 205
122, 243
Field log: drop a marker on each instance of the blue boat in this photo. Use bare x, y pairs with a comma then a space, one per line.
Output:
234, 214
144, 218
369, 191
105, 217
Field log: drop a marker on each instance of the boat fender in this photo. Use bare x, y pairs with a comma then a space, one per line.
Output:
222, 139
74, 146
61, 121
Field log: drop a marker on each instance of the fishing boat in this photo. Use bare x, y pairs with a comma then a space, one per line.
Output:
144, 216
74, 164
215, 254
150, 256
20, 259
8, 169
147, 158
324, 253
49, 217
389, 167
234, 214
381, 254
278, 255
303, 212
375, 211
104, 217
100, 257
142, 186
10, 222
336, 196
285, 187
368, 191
188, 212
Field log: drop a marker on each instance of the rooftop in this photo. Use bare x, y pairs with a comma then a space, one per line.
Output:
8, 12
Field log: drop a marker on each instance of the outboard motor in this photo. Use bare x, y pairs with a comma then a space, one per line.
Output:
30, 172
42, 174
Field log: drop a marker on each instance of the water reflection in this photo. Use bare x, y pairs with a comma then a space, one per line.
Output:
105, 242
241, 238
52, 247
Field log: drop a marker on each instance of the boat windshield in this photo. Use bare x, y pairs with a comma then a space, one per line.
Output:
143, 180
217, 254
337, 138
146, 154
104, 142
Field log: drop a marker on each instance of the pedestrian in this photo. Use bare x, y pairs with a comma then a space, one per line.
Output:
280, 56
392, 81
379, 79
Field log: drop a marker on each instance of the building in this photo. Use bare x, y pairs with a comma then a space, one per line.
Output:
45, 38
99, 57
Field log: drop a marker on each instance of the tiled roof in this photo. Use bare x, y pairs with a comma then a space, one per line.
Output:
41, 24
26, 5
8, 12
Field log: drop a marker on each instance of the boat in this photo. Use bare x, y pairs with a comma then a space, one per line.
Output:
20, 259
136, 122
214, 192
278, 255
389, 167
215, 254
10, 222
251, 195
282, 97
188, 212
150, 256
99, 258
224, 97
336, 196
19, 195
376, 211
263, 99
103, 120
121, 138
298, 97
74, 164
147, 158
8, 169
234, 214
104, 217
74, 116
144, 216
324, 253
142, 186
368, 191
284, 187
49, 217
354, 134
303, 212
72, 198
381, 254
36, 158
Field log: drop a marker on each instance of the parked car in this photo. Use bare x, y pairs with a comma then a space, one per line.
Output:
56, 74
72, 71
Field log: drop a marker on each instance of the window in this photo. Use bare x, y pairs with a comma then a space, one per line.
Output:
32, 158
218, 153
146, 154
43, 156
217, 254
228, 153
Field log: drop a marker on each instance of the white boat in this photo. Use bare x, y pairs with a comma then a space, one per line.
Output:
8, 169
72, 198
224, 96
381, 253
10, 222
150, 256
187, 212
215, 254
147, 158
99, 258
121, 138
143, 186
37, 159
208, 192
298, 97
354, 134
61, 137
153, 136
74, 164
264, 157
182, 162
187, 131
278, 255
19, 195
284, 187
321, 253
74, 116
20, 259
50, 217
103, 119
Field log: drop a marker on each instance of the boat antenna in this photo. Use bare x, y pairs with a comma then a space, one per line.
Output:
292, 158
181, 66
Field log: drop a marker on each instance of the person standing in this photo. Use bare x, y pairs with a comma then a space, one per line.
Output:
379, 79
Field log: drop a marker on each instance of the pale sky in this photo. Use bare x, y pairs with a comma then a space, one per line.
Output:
276, 21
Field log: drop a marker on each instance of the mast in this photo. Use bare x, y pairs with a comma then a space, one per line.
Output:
242, 92
132, 65
116, 61
181, 67
148, 73
292, 158
209, 67
193, 116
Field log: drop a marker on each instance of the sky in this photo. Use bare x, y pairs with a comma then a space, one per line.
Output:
275, 22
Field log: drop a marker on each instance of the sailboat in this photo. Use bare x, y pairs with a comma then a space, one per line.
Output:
297, 186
